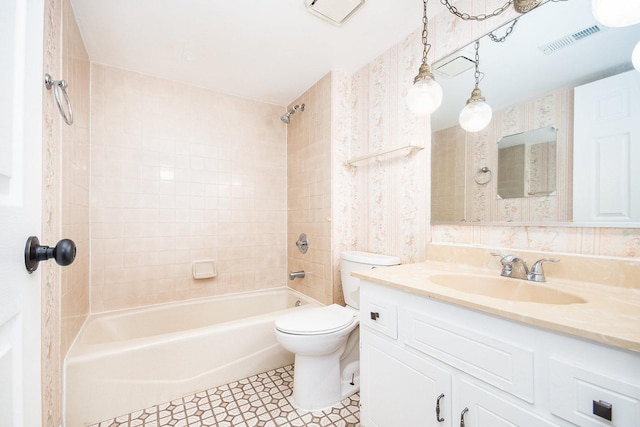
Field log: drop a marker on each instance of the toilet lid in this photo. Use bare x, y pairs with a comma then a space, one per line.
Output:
318, 320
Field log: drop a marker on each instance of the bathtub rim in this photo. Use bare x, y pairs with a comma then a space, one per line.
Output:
77, 348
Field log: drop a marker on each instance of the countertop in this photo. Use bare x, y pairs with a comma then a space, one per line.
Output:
609, 315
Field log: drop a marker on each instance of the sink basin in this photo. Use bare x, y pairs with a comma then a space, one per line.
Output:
506, 289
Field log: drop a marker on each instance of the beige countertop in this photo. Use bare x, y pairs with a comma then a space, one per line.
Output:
609, 315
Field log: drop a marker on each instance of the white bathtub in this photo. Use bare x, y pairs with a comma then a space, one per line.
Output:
128, 360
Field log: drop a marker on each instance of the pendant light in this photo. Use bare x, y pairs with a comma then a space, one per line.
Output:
616, 13
425, 96
635, 57
476, 115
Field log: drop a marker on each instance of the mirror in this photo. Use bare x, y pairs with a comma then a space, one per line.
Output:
527, 164
529, 82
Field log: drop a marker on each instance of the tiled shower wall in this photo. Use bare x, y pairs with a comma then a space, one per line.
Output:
179, 174
75, 181
309, 191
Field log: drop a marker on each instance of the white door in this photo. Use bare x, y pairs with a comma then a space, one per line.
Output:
21, 32
606, 150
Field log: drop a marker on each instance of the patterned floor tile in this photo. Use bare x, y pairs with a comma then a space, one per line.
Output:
262, 400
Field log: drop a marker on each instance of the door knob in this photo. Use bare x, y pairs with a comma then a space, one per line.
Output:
64, 253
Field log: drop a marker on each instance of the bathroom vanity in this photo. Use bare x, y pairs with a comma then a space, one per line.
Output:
434, 355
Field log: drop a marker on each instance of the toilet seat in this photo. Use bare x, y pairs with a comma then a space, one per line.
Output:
316, 321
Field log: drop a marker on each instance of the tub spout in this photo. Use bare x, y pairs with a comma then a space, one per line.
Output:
296, 274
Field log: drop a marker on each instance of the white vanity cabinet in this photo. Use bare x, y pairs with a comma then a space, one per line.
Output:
417, 352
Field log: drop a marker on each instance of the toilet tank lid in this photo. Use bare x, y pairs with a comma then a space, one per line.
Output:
369, 258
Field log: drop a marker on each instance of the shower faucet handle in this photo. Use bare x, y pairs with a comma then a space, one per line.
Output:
303, 243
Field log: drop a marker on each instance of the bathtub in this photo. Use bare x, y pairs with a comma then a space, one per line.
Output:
128, 360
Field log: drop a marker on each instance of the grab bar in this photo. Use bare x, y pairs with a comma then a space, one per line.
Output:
60, 85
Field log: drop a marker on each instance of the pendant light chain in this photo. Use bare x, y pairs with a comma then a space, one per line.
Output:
481, 17
425, 33
478, 75
425, 95
497, 39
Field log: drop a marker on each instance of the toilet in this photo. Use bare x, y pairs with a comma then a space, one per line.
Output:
325, 340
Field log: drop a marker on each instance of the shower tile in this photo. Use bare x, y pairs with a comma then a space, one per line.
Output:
262, 400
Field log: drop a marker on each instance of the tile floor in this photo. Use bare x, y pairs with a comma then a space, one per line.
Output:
262, 400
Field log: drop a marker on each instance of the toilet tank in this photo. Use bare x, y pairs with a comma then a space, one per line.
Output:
354, 261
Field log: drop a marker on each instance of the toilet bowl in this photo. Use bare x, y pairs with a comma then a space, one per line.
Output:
325, 340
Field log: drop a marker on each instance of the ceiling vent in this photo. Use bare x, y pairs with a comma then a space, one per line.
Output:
455, 64
334, 11
565, 41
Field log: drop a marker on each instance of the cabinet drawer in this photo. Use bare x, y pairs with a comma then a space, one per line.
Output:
380, 315
500, 363
573, 391
379, 308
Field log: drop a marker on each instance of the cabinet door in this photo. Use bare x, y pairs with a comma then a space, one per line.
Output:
489, 409
399, 389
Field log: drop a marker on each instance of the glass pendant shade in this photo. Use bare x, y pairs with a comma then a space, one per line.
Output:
635, 57
424, 97
616, 13
475, 116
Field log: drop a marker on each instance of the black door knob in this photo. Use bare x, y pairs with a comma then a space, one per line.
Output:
64, 253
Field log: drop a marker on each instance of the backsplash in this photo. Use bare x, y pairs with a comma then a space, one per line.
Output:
602, 241
611, 271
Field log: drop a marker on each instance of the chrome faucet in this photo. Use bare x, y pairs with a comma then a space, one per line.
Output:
508, 262
536, 274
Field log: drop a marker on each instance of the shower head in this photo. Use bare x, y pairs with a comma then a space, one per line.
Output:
286, 117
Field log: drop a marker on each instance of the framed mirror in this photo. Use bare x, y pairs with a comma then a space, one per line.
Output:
527, 164
529, 81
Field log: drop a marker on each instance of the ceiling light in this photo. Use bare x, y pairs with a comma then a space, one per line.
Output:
425, 96
616, 13
476, 115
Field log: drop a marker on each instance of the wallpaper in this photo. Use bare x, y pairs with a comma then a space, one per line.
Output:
387, 199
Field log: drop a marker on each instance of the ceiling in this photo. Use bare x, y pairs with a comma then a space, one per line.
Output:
267, 50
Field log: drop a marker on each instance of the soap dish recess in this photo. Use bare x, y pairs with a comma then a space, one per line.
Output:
204, 269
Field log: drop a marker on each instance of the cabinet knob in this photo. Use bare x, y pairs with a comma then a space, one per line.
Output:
438, 417
375, 315
464, 411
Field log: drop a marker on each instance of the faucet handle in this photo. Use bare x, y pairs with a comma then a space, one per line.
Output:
505, 259
537, 273
507, 263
